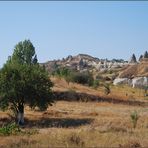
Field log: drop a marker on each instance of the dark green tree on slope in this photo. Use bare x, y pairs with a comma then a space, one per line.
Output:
24, 82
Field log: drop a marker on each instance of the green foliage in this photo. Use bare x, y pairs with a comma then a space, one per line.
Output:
134, 117
14, 129
23, 81
24, 53
72, 76
99, 77
9, 129
62, 72
24, 84
82, 78
95, 84
107, 89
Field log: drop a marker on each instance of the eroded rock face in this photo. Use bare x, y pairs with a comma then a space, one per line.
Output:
140, 82
81, 62
118, 81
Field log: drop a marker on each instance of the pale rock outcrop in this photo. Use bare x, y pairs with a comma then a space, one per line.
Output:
84, 61
140, 82
120, 81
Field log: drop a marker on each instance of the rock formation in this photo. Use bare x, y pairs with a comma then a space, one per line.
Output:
84, 62
133, 59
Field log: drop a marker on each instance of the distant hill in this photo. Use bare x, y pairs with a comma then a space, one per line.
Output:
84, 62
119, 67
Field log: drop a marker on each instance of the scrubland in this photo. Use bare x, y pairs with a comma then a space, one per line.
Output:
84, 123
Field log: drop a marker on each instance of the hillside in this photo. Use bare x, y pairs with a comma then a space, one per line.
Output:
94, 120
117, 71
118, 93
84, 62
102, 122
136, 70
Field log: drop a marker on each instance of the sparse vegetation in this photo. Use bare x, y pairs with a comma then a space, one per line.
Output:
70, 127
81, 117
62, 72
107, 89
95, 84
75, 140
85, 78
134, 117
9, 129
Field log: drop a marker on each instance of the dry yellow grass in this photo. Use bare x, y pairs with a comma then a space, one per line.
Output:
120, 92
77, 124
83, 124
140, 69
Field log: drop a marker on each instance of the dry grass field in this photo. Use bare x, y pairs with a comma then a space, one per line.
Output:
83, 124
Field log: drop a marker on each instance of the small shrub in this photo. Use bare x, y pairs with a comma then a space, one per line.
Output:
61, 72
95, 84
81, 78
107, 89
145, 91
9, 129
99, 77
131, 144
76, 140
134, 117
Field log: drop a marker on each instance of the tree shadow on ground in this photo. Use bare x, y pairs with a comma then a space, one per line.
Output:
4, 121
57, 122
84, 97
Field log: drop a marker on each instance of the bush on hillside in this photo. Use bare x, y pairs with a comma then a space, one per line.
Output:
96, 83
107, 89
76, 77
82, 78
61, 72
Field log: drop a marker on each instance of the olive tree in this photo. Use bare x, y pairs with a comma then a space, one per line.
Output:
24, 82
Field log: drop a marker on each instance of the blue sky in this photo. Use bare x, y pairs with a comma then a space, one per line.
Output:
58, 29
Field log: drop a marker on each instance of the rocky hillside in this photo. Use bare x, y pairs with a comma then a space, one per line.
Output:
136, 73
137, 69
83, 62
133, 72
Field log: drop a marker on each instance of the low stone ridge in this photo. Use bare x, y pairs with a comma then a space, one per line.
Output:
84, 62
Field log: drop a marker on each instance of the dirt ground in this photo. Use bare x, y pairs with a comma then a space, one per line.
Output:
81, 124
84, 123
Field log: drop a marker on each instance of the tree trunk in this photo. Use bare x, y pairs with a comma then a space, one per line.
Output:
20, 114
20, 118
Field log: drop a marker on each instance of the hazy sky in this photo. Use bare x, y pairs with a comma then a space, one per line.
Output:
58, 29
